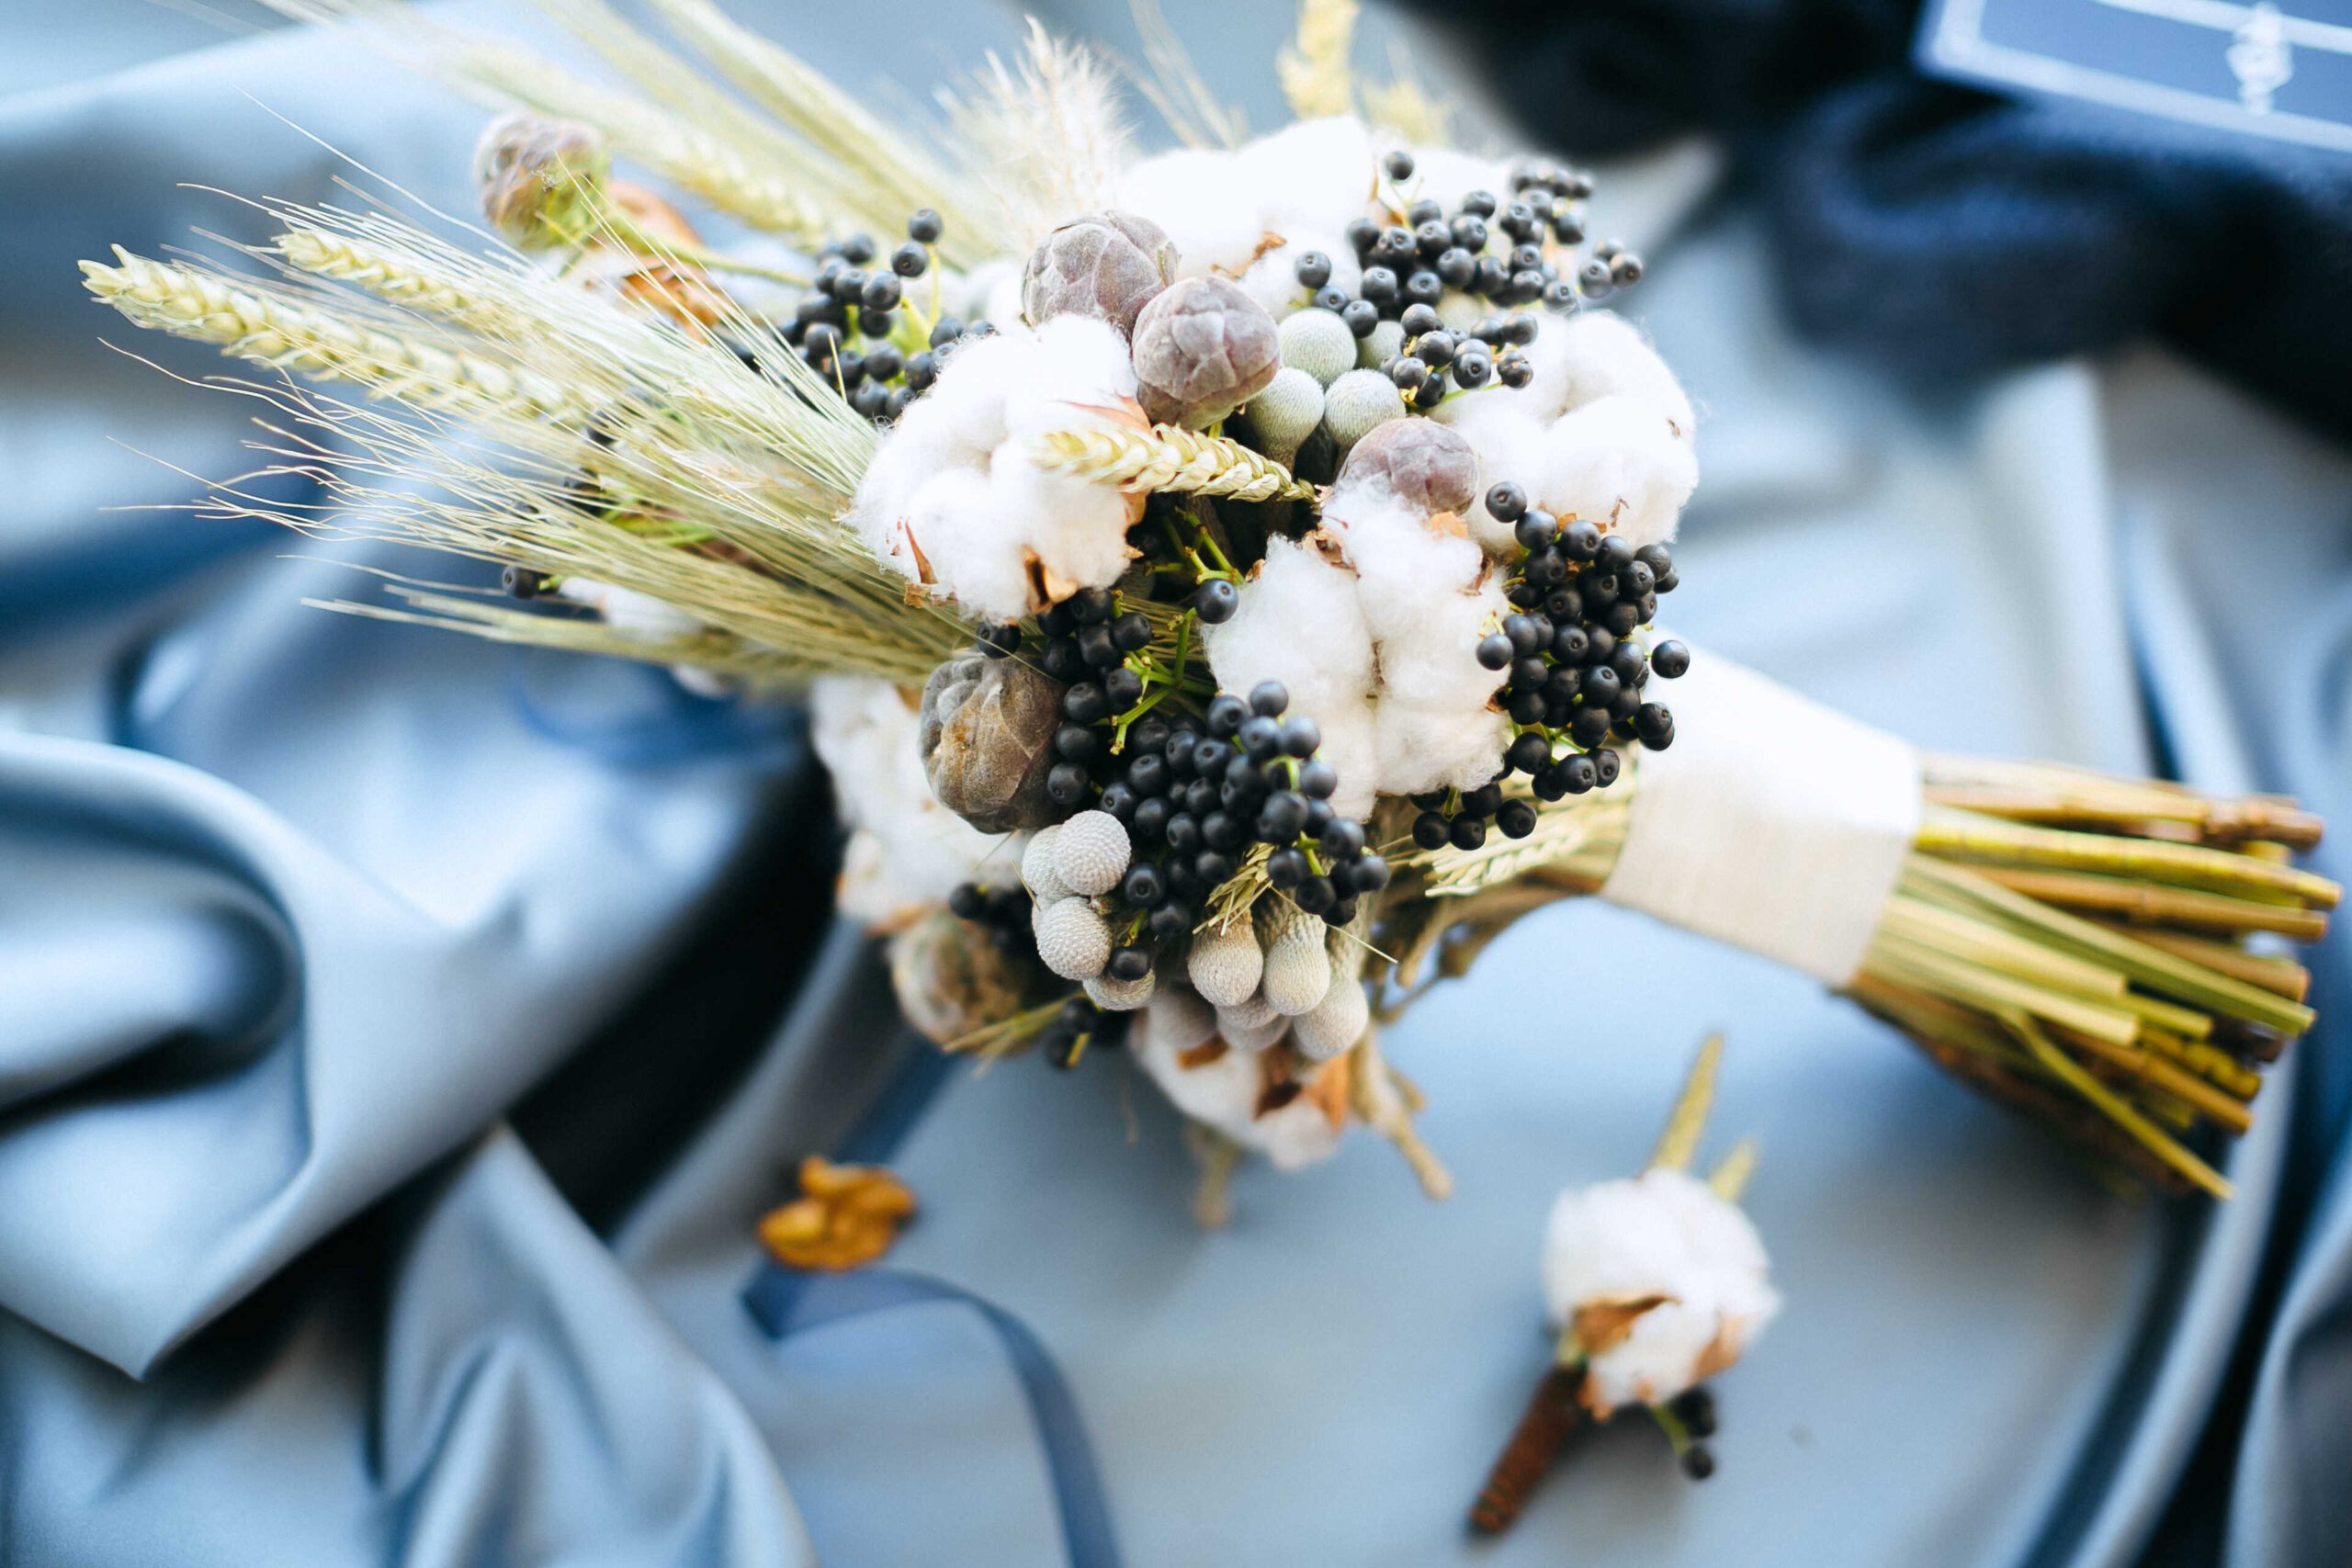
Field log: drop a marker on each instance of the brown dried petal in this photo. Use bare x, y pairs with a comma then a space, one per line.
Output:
1203, 348
986, 734
1427, 465
1107, 264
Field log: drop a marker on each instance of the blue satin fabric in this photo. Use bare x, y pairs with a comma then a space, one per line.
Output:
297, 910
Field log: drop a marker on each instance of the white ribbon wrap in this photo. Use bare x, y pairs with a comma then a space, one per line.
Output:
1771, 823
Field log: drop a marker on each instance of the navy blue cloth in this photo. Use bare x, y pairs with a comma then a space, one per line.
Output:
1943, 232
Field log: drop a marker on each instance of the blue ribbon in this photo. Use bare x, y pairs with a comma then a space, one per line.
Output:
785, 1302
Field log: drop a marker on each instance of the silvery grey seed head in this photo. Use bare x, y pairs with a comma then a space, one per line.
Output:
1424, 464
1203, 348
1107, 265
987, 736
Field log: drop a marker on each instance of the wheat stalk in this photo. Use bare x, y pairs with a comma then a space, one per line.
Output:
1314, 73
287, 334
1169, 459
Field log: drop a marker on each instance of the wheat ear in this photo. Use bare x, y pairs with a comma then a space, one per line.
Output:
1169, 459
287, 334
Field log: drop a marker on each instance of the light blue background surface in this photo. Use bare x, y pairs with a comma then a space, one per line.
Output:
293, 906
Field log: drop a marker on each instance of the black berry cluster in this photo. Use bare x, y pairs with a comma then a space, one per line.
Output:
1508, 254
1577, 676
854, 287
1077, 1026
1436, 361
1695, 1408
1001, 907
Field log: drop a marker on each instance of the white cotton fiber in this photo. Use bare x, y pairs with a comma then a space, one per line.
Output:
1200, 199
1223, 1095
1617, 463
1445, 177
1300, 623
1312, 176
1436, 748
1273, 278
907, 850
1552, 355
1509, 444
1347, 746
1001, 306
955, 487
1460, 312
1662, 1233
1608, 358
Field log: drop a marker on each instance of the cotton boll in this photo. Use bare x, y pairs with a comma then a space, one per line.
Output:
1223, 1095
1608, 358
1273, 278
1317, 342
1200, 197
1314, 176
1001, 306
1422, 749
1294, 588
958, 530
1383, 343
1079, 375
1553, 355
1509, 444
1661, 1234
1286, 412
1445, 177
1406, 566
1347, 746
1358, 403
1616, 462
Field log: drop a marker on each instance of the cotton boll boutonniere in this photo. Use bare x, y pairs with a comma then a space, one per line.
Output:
1653, 1285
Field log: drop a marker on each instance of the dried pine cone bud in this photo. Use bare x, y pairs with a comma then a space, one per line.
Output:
986, 734
953, 976
1424, 464
1108, 264
1203, 348
541, 180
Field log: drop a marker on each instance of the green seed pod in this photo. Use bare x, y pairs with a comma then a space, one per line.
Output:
542, 180
986, 734
1107, 265
1286, 412
1357, 403
1318, 342
1203, 348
